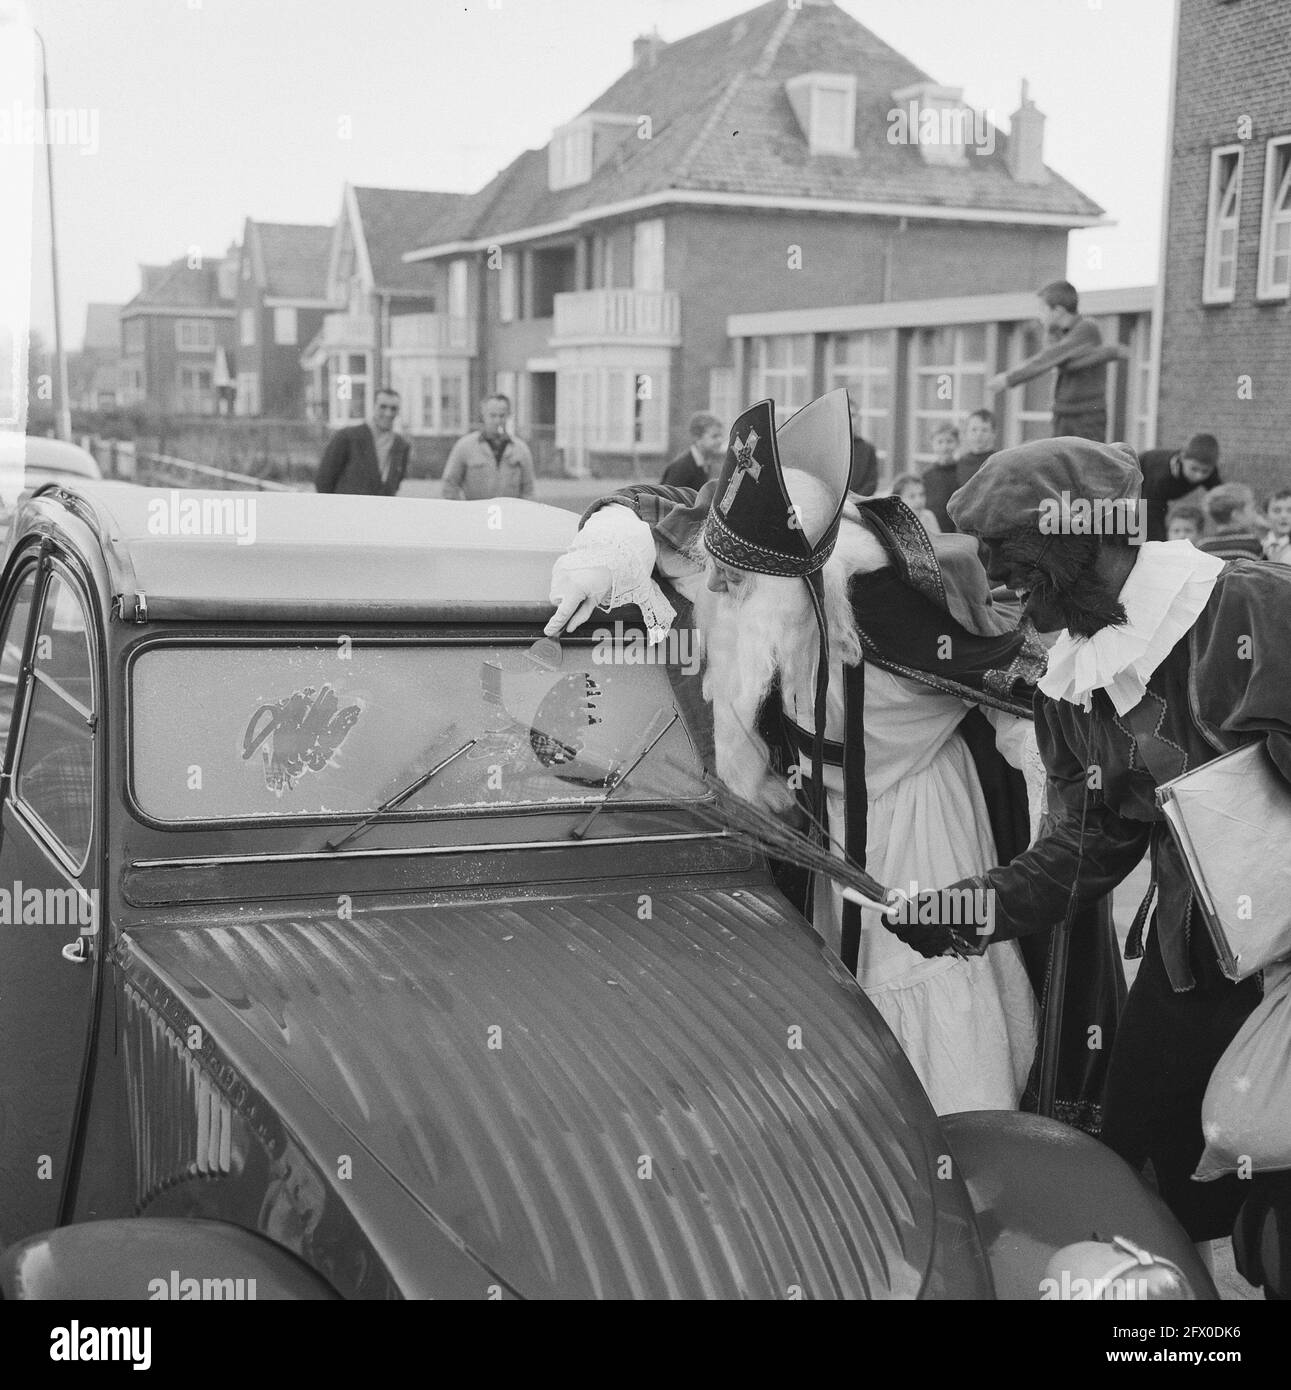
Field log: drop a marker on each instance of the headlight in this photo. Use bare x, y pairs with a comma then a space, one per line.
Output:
1095, 1269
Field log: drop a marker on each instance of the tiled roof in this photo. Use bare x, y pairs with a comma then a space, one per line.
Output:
182, 288
102, 326
395, 219
722, 122
292, 258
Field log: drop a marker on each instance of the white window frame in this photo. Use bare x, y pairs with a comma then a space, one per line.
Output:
722, 395
286, 329
789, 387
1138, 374
807, 92
336, 415
958, 369
508, 284
458, 289
1277, 151
569, 156
1212, 292
247, 328
823, 140
200, 334
859, 380
648, 248
248, 394
597, 407
203, 396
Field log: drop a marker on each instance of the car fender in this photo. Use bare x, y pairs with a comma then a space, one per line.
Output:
155, 1258
1037, 1185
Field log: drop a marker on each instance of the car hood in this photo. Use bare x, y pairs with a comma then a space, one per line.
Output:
646, 1095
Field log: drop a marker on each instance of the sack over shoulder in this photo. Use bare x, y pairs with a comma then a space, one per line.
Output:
1246, 1115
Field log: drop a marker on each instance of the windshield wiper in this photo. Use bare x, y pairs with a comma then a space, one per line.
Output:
646, 747
399, 797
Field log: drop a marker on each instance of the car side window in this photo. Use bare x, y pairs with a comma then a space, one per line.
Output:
54, 771
11, 640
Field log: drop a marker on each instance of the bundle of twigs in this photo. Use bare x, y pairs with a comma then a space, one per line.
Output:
761, 829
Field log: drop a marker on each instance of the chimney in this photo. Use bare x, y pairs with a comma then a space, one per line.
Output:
645, 49
1026, 142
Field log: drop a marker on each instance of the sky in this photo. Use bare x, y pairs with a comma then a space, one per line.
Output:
199, 113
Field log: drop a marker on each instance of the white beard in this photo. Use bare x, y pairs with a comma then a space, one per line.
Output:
767, 626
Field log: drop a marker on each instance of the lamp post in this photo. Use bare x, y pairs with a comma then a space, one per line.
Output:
63, 425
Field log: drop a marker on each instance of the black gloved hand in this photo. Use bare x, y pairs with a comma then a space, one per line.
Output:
942, 921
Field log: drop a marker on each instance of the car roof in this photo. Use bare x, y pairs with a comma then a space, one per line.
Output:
196, 554
31, 451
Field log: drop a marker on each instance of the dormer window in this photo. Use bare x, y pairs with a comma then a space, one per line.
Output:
935, 119
582, 146
569, 156
825, 105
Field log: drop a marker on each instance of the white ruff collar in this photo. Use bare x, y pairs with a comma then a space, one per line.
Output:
1168, 587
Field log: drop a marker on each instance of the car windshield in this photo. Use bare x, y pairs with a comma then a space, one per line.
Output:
332, 730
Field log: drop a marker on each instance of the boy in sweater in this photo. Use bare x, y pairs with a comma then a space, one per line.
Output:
1076, 349
1230, 508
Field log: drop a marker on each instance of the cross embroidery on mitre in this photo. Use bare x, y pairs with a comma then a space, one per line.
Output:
745, 463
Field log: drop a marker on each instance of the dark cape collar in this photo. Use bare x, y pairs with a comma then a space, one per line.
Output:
928, 615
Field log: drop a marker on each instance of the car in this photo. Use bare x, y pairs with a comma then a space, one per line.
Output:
28, 461
352, 947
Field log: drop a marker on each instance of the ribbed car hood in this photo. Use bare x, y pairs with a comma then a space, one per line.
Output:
609, 1096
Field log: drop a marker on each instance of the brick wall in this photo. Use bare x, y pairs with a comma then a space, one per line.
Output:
738, 262
1234, 62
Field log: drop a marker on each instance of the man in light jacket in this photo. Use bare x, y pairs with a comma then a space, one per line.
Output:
489, 462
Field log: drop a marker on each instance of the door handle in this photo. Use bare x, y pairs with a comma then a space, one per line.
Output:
75, 951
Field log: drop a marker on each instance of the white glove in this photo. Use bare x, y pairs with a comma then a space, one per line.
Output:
609, 564
577, 590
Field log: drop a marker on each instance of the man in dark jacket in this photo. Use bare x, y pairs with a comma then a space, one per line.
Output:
1169, 474
1145, 681
368, 458
1076, 349
704, 457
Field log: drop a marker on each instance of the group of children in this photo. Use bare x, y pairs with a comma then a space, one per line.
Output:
926, 494
1228, 524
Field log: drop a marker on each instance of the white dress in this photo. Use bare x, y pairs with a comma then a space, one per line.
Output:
967, 1026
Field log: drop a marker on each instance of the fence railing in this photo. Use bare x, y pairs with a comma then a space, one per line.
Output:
121, 459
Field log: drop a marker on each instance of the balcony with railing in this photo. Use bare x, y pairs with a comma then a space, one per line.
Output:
356, 331
439, 334
618, 316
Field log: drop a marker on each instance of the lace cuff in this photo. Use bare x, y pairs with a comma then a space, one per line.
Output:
616, 539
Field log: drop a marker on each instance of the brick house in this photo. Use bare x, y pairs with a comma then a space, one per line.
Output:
94, 373
1225, 363
176, 336
280, 303
393, 323
782, 161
